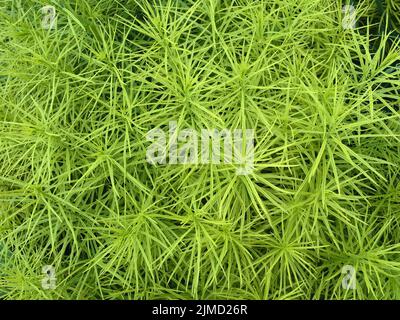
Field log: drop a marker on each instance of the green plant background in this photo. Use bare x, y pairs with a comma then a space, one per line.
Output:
77, 193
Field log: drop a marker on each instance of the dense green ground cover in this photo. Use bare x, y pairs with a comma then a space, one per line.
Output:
77, 193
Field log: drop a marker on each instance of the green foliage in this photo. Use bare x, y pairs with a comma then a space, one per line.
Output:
76, 191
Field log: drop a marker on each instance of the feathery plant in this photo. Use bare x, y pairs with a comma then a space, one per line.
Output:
77, 193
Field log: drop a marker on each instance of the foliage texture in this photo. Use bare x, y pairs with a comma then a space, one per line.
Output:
77, 193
